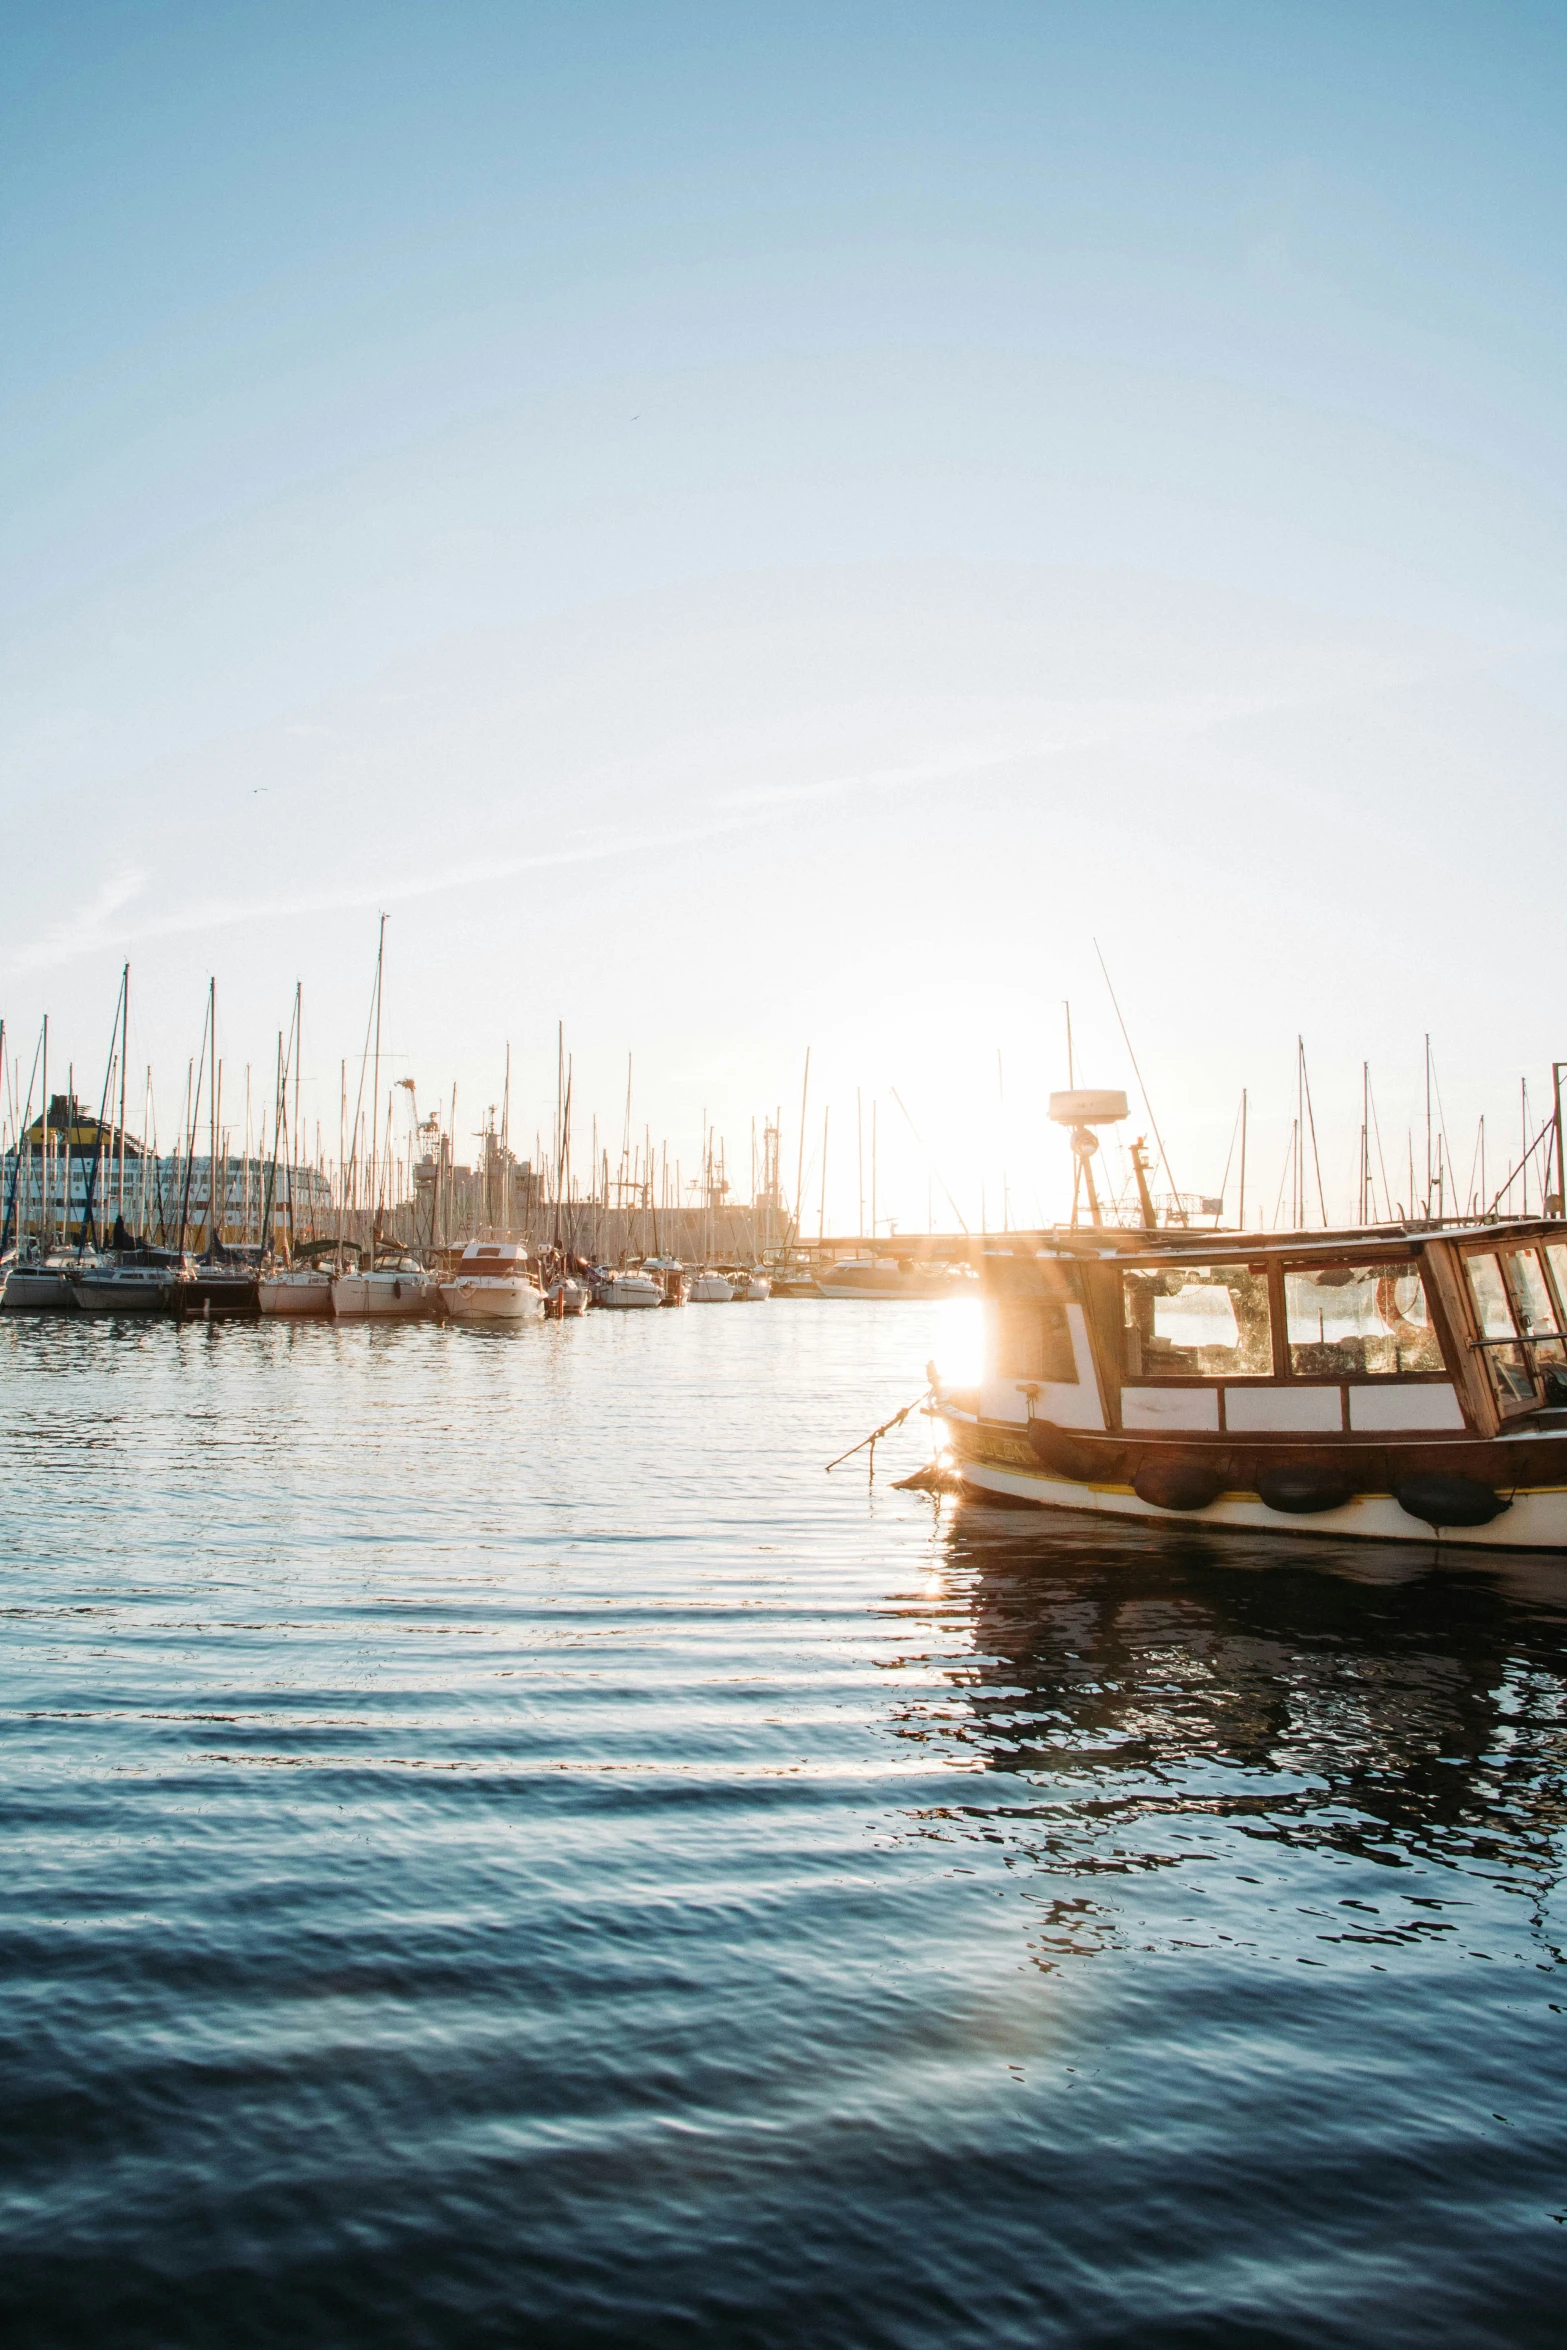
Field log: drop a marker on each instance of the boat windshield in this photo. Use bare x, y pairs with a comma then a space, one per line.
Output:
1197, 1321
1357, 1320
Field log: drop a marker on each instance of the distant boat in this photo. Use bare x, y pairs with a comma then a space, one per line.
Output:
296, 1289
627, 1289
795, 1284
565, 1296
711, 1289
750, 1288
131, 1280
401, 1291
492, 1282
217, 1282
868, 1278
672, 1278
40, 1285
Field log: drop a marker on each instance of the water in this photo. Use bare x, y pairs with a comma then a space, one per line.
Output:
499, 1848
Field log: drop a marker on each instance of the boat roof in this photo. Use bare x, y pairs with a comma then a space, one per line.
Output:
1186, 1244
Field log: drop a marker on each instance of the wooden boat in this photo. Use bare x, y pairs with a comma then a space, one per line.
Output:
1395, 1382
492, 1282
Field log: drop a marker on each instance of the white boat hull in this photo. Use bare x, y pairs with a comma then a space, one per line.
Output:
43, 1289
492, 1301
629, 1292
127, 1289
711, 1289
1535, 1521
295, 1293
393, 1297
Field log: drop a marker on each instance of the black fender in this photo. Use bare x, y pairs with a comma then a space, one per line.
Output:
1304, 1488
1446, 1497
1176, 1483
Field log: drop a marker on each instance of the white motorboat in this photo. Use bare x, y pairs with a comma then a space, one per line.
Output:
401, 1292
752, 1287
493, 1283
711, 1289
626, 1289
566, 1296
296, 1289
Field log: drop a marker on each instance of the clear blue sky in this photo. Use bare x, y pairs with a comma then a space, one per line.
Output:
750, 528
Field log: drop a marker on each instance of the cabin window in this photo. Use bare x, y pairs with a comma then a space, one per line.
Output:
1358, 1320
1197, 1321
1030, 1340
1556, 1257
1532, 1303
1507, 1364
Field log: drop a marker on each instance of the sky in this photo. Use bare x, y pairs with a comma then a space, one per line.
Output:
749, 530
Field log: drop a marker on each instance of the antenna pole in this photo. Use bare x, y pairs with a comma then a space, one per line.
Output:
1141, 1087
1241, 1215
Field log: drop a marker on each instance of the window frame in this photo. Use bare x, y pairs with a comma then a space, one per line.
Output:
1275, 1268
1513, 1407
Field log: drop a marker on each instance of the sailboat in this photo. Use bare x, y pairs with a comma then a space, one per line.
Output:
388, 1282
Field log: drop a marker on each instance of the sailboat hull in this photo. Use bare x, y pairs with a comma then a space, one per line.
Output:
393, 1297
296, 1293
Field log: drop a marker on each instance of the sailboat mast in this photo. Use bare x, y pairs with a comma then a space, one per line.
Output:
375, 1083
799, 1172
506, 1149
43, 1153
299, 1046
125, 1052
212, 1111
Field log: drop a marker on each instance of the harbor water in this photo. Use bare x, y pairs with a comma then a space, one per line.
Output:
499, 1848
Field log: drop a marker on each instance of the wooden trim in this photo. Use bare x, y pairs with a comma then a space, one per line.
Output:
1278, 1319
1448, 1296
1295, 1379
1101, 1295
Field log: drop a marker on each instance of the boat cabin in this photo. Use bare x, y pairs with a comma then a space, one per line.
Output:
499, 1259
1400, 1329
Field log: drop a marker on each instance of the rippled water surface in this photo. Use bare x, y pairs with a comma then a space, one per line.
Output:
499, 1848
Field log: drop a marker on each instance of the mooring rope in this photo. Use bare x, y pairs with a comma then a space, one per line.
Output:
877, 1434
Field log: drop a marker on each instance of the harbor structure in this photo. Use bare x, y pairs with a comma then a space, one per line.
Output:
73, 1176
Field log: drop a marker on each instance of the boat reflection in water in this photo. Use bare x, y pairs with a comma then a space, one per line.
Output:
1175, 1731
